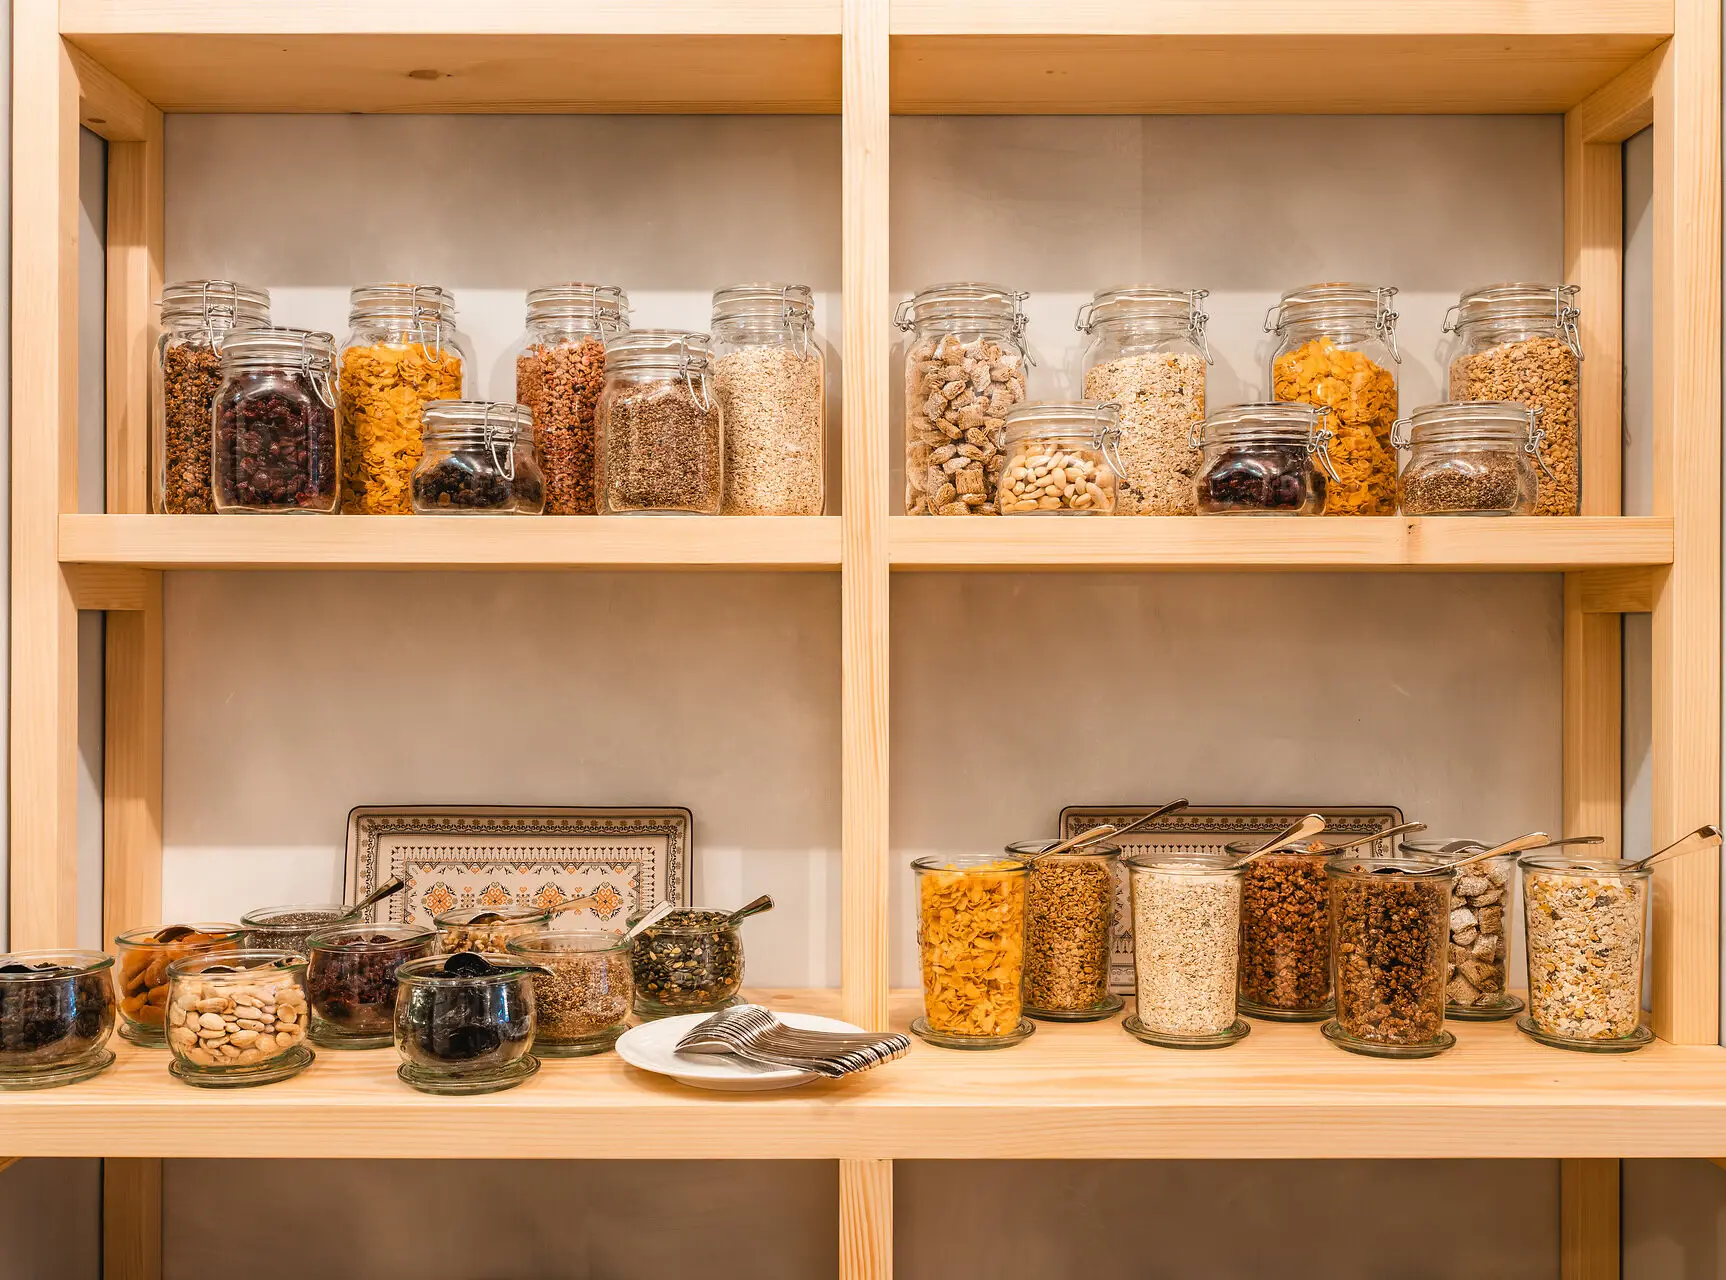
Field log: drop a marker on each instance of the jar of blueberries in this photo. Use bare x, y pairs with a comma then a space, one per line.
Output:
465, 1023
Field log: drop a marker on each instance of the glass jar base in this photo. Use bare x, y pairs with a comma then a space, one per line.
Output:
326, 1036
1640, 1038
1235, 1032
1270, 1012
467, 1086
947, 1040
1112, 1005
61, 1073
1509, 1007
648, 1011
1333, 1032
599, 1043
146, 1037
281, 1067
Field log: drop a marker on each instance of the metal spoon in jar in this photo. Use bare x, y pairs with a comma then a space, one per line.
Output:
1463, 846
650, 919
763, 903
1105, 832
1296, 833
1533, 840
395, 884
1386, 834
1707, 837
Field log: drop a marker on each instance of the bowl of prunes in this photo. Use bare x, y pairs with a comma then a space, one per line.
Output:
465, 1022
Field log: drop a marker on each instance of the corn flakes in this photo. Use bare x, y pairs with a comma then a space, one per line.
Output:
971, 935
382, 390
1361, 395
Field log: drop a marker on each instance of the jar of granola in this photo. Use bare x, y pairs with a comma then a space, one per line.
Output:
964, 368
1069, 930
558, 376
404, 351
1390, 946
1338, 351
1285, 933
971, 942
1584, 918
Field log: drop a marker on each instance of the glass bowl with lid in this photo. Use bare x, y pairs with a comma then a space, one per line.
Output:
56, 1014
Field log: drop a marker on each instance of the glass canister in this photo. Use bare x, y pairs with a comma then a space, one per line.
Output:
1147, 353
1337, 349
486, 928
1477, 987
1061, 459
1285, 934
1069, 930
971, 920
275, 419
661, 430
290, 928
56, 1014
404, 351
691, 961
1520, 342
238, 1018
197, 315
772, 388
559, 375
465, 1023
965, 367
1585, 919
1186, 949
1264, 460
1391, 917
1474, 458
584, 995
144, 958
351, 981
479, 459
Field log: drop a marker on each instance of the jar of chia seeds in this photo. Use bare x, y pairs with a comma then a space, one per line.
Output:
1472, 458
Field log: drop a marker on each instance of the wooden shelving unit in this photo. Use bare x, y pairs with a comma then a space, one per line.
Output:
1611, 66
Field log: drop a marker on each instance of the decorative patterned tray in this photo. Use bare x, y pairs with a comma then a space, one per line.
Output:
455, 856
1207, 827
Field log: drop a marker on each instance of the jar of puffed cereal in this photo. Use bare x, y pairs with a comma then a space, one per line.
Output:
971, 942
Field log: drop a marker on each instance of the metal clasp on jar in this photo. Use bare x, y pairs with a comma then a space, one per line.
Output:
1319, 438
322, 374
1568, 315
1533, 445
421, 312
504, 462
214, 310
1106, 436
686, 363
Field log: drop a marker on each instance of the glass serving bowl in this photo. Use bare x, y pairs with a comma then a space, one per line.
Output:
56, 1014
238, 1018
143, 976
583, 999
691, 961
290, 928
469, 929
465, 1032
351, 980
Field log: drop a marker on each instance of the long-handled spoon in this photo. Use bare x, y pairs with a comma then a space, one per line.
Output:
395, 884
1295, 833
1708, 836
763, 903
1377, 835
1533, 840
1105, 832
650, 919
1462, 846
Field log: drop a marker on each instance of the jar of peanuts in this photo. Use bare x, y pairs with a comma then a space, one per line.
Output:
1061, 459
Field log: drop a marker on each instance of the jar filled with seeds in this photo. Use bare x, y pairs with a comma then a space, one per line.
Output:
351, 981
465, 1023
1264, 460
584, 996
1061, 459
1390, 955
1147, 353
965, 367
56, 1014
290, 928
1337, 350
238, 1018
1476, 458
559, 375
1069, 930
661, 428
772, 389
971, 918
487, 928
1520, 342
479, 459
1477, 989
1585, 919
144, 958
275, 422
691, 961
186, 374
1285, 934
1186, 948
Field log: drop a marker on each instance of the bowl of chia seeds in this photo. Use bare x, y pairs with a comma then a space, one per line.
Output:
289, 928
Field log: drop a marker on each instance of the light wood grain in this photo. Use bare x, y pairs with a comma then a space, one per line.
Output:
6, 1162
1420, 19
134, 256
132, 765
131, 1219
1593, 741
1617, 590
1589, 1206
107, 586
111, 108
1620, 108
866, 1220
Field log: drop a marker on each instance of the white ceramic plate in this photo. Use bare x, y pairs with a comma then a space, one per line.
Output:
652, 1047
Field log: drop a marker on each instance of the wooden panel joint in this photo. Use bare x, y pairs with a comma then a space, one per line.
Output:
113, 587
1630, 590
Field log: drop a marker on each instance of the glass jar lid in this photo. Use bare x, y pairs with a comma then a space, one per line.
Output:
1274, 422
1527, 301
605, 306
1094, 421
497, 426
1364, 305
661, 349
965, 300
307, 349
401, 300
1150, 306
1187, 862
215, 302
792, 303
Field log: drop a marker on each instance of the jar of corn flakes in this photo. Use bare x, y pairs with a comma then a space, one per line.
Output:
1338, 350
404, 351
971, 943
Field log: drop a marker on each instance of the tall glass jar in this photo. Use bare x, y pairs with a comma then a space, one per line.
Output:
479, 459
964, 368
1186, 949
1389, 955
971, 943
1069, 930
1338, 349
404, 351
559, 375
184, 379
1147, 353
1285, 934
275, 419
661, 429
1585, 920
772, 388
1477, 987
1521, 342
1061, 459
1474, 458
1264, 460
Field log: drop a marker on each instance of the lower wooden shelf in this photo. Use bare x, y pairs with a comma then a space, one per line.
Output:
1087, 1091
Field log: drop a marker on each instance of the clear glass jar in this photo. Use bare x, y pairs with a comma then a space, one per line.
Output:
290, 928
238, 1018
1477, 989
1585, 919
964, 368
1147, 353
1186, 949
772, 388
486, 928
1473, 458
661, 430
1061, 459
185, 376
584, 996
465, 1024
56, 1014
1285, 934
1389, 955
1337, 349
971, 920
479, 459
403, 352
351, 981
275, 420
559, 375
691, 961
144, 957
1069, 930
1264, 460
1520, 342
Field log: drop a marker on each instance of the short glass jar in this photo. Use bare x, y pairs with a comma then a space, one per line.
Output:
1520, 342
465, 1023
56, 1014
144, 957
290, 928
583, 997
403, 352
487, 929
1337, 350
238, 1018
1186, 949
559, 375
479, 459
275, 445
1264, 460
1585, 919
1061, 459
1389, 955
1477, 989
1069, 930
971, 921
965, 367
691, 961
661, 430
1474, 458
772, 387
1285, 934
186, 374
1147, 353
351, 981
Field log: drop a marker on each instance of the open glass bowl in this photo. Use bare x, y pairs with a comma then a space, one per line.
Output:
351, 981
465, 1023
145, 955
238, 1018
56, 1014
691, 961
290, 928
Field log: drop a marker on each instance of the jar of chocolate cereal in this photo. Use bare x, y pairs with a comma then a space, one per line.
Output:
559, 375
1069, 930
1285, 933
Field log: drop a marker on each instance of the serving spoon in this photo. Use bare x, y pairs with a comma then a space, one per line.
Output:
1097, 834
1295, 833
1533, 840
